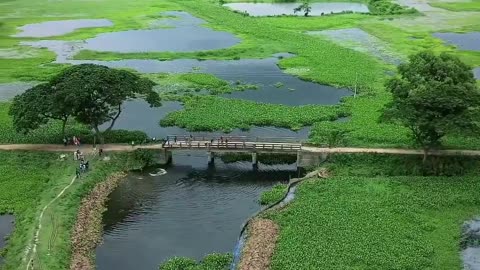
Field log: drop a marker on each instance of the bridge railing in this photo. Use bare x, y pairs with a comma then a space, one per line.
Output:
233, 138
233, 145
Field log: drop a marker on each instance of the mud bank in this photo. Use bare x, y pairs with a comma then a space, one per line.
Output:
87, 232
257, 254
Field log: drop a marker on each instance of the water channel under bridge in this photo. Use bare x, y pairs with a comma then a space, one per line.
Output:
239, 144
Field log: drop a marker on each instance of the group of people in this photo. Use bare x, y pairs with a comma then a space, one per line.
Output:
75, 141
84, 164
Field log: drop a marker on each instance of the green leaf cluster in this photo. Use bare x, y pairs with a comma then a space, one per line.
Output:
214, 261
208, 113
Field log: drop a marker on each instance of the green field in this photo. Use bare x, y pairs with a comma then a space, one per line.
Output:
370, 214
317, 59
31, 180
361, 219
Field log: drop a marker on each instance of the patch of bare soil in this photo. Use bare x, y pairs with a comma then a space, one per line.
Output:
258, 251
87, 233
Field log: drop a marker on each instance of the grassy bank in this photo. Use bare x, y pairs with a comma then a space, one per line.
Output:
361, 219
29, 181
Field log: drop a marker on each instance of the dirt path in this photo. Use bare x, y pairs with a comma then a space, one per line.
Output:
88, 149
31, 250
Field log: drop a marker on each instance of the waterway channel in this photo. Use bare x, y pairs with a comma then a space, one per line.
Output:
6, 227
193, 210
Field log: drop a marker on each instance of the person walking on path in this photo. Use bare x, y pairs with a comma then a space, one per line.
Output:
74, 139
77, 172
65, 141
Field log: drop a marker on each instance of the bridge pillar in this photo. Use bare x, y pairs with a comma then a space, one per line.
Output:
163, 157
255, 160
210, 158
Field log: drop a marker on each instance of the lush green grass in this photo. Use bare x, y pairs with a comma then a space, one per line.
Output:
208, 113
214, 261
28, 182
273, 195
359, 221
471, 5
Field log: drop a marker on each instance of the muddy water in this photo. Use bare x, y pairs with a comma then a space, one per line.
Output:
58, 28
6, 227
465, 41
275, 9
193, 210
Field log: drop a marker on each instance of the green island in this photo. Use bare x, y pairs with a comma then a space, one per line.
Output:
230, 134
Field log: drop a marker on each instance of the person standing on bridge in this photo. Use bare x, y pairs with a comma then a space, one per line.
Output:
175, 139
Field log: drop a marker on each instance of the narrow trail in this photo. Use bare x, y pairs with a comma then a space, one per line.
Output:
88, 149
31, 250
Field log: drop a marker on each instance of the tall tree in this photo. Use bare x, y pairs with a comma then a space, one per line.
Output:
97, 93
35, 107
434, 96
305, 7
92, 94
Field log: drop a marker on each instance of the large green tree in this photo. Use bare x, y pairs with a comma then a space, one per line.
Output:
92, 94
434, 96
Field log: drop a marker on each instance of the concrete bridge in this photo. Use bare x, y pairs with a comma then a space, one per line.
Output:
240, 144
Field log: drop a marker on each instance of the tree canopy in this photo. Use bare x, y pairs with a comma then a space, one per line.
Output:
434, 96
92, 94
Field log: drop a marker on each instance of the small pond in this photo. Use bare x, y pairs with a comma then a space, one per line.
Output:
9, 90
138, 109
275, 86
471, 245
464, 41
476, 73
275, 9
359, 40
180, 34
59, 28
6, 227
193, 210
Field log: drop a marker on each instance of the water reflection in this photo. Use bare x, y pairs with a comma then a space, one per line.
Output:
275, 86
275, 9
58, 28
185, 34
193, 210
464, 41
137, 109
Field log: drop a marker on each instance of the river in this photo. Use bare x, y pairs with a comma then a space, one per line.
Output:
193, 210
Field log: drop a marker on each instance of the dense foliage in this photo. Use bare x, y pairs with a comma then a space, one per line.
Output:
273, 195
376, 223
214, 261
29, 181
207, 113
92, 94
434, 96
386, 7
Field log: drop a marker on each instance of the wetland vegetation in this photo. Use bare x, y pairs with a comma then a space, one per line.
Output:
249, 72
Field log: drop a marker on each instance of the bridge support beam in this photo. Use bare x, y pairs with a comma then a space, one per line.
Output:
255, 160
165, 157
210, 158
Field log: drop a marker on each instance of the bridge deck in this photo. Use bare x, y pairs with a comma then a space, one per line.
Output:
233, 145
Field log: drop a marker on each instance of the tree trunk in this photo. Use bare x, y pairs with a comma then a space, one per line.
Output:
425, 155
64, 123
98, 134
115, 118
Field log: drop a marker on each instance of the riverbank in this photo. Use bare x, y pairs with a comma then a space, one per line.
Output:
29, 182
375, 219
87, 232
